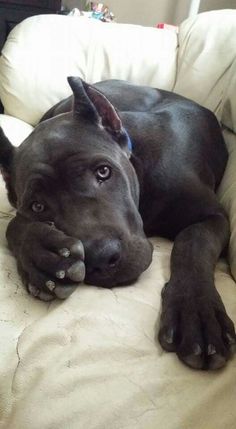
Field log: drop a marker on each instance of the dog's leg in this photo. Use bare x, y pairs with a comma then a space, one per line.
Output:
194, 322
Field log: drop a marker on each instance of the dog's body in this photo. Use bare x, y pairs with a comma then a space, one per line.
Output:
75, 178
178, 152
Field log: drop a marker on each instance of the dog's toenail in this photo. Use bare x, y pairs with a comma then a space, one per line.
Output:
64, 252
60, 274
168, 337
197, 349
211, 350
50, 285
231, 340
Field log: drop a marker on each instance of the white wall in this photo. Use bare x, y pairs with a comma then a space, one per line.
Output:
150, 12
70, 4
217, 4
145, 12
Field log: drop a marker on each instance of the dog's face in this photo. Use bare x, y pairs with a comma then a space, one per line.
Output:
74, 170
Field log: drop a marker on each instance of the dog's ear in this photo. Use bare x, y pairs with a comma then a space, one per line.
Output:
92, 104
82, 104
6, 158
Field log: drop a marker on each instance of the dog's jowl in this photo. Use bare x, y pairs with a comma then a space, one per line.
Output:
102, 171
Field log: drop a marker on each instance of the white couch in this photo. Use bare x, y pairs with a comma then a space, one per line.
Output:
92, 361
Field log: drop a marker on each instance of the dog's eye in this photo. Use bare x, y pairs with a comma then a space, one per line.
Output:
103, 173
37, 207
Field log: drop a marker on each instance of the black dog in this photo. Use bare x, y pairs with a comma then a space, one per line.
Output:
76, 180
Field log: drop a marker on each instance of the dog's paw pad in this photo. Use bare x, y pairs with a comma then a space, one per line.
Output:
76, 272
216, 361
77, 250
195, 359
40, 294
64, 291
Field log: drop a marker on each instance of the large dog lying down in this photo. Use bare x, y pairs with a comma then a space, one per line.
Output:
86, 201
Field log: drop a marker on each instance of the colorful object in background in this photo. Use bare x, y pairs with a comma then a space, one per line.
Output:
101, 12
94, 10
164, 26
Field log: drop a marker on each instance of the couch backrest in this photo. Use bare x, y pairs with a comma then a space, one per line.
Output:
207, 63
43, 50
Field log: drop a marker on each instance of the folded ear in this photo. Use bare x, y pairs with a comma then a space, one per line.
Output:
92, 104
6, 158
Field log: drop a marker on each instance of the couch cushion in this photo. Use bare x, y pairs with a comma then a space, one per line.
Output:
43, 50
92, 361
207, 63
228, 117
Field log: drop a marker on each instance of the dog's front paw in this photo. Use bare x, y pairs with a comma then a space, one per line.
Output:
196, 327
50, 262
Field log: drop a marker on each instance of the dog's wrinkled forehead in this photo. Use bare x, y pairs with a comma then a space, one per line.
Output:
91, 132
62, 137
62, 145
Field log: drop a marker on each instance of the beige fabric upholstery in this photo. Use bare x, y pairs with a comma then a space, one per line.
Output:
92, 361
43, 51
206, 63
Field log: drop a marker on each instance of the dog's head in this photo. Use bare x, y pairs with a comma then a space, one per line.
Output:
74, 170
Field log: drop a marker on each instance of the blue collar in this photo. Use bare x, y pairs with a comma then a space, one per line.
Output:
129, 142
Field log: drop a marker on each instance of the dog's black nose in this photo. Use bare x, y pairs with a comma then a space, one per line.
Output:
102, 256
